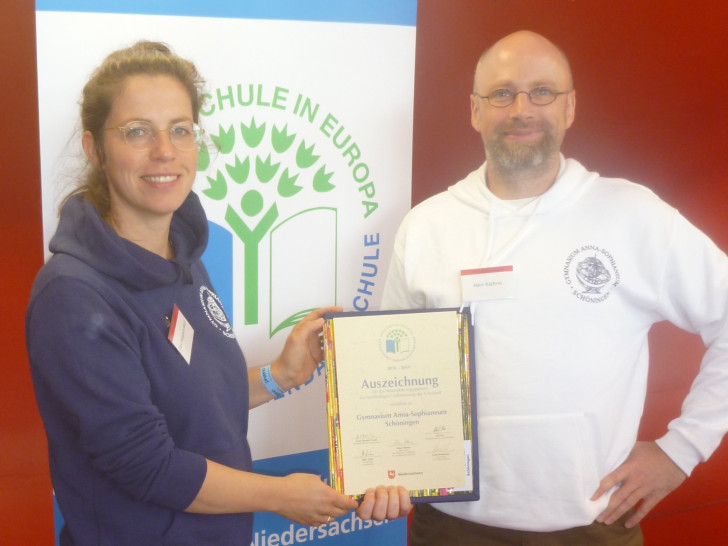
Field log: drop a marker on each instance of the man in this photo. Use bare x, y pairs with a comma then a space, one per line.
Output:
571, 270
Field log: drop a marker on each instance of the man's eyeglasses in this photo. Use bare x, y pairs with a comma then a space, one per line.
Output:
139, 135
540, 96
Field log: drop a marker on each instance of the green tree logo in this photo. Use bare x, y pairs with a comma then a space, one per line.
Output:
273, 157
397, 342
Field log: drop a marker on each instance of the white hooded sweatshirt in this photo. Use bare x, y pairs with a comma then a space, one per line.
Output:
562, 364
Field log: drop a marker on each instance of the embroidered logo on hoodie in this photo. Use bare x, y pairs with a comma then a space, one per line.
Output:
213, 309
591, 273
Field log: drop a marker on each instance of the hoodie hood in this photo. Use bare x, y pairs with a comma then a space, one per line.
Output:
571, 182
85, 236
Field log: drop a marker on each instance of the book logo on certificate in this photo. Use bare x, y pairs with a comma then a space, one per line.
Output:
399, 403
397, 342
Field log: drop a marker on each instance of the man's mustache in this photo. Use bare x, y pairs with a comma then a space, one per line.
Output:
519, 125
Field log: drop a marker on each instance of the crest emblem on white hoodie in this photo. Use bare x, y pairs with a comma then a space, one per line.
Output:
591, 273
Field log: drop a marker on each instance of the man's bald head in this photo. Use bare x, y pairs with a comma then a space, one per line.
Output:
517, 46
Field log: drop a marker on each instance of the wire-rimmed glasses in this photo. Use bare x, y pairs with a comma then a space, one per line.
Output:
540, 96
140, 135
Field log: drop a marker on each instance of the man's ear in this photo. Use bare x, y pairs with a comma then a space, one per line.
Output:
570, 108
92, 151
475, 112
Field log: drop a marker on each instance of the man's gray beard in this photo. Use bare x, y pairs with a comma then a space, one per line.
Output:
509, 159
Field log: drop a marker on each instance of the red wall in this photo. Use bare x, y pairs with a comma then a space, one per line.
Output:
25, 488
651, 84
651, 79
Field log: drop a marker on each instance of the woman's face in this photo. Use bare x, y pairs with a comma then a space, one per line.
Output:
145, 186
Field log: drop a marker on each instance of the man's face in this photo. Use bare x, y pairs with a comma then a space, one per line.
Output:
522, 136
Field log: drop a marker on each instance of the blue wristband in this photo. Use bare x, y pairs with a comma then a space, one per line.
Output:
269, 383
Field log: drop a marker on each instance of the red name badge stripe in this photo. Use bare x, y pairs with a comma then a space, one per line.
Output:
173, 325
498, 269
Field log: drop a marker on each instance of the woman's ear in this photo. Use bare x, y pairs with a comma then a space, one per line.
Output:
93, 154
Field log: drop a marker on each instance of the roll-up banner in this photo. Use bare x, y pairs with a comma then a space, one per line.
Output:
310, 107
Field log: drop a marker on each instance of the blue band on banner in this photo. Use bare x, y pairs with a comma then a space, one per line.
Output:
386, 12
218, 260
346, 530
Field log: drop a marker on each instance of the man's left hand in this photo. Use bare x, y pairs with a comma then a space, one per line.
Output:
647, 475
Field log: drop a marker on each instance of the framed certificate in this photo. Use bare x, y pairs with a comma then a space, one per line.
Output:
399, 403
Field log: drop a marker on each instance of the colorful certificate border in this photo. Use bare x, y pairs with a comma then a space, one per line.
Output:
468, 406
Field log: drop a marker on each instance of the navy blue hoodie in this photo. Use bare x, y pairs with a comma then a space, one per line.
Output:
129, 421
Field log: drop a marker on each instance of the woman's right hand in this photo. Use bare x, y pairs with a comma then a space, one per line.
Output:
302, 498
307, 500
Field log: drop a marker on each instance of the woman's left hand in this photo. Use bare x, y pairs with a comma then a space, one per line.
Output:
302, 351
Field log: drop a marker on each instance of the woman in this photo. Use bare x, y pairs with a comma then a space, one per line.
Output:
140, 382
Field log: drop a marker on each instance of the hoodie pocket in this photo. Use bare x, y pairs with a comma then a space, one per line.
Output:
537, 472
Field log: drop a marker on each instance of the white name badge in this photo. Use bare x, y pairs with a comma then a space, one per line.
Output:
181, 334
489, 283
